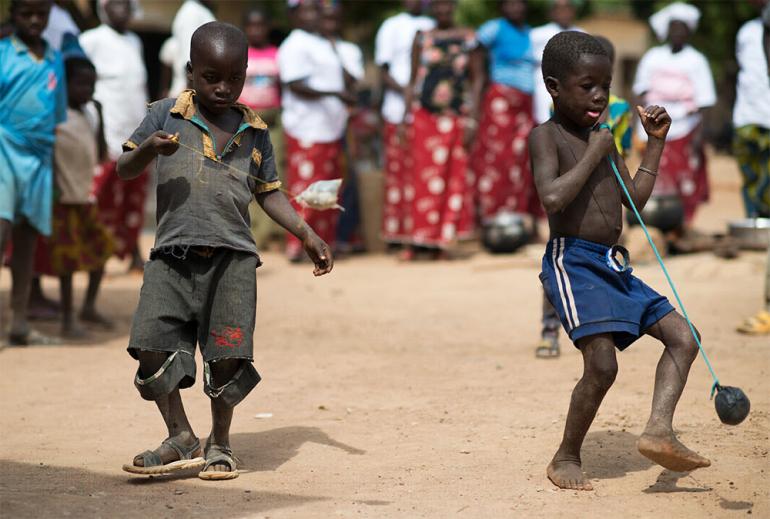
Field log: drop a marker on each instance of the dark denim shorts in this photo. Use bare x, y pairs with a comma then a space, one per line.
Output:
205, 297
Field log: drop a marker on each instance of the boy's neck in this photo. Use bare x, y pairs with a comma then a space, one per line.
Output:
36, 45
570, 126
217, 118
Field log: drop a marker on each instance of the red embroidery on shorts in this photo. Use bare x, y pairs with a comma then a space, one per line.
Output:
229, 337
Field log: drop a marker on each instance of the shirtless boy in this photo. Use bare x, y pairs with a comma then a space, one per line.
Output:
601, 305
200, 284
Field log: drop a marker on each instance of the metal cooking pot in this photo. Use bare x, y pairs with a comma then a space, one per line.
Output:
664, 212
505, 232
751, 233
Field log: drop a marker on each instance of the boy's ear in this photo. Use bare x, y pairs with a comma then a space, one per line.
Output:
188, 68
552, 85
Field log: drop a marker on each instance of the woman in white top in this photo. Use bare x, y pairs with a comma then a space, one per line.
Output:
121, 88
677, 76
393, 54
317, 75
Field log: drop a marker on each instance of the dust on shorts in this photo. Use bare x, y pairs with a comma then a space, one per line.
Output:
594, 291
204, 296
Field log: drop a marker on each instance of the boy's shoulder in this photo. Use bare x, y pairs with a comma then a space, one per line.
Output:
542, 133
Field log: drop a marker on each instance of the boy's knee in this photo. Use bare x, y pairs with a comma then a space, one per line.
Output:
229, 380
690, 345
603, 371
160, 373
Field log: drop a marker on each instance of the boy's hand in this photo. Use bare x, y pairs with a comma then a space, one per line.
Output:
655, 121
163, 143
601, 141
319, 252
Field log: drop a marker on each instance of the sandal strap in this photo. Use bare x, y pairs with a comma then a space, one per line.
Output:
218, 453
151, 459
184, 452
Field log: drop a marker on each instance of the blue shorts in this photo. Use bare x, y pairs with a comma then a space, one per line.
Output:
594, 292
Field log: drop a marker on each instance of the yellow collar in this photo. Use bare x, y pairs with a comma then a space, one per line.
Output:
185, 106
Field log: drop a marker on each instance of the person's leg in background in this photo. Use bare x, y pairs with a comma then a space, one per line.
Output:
549, 333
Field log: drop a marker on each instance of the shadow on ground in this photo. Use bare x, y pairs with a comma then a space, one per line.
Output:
268, 450
47, 491
667, 483
612, 454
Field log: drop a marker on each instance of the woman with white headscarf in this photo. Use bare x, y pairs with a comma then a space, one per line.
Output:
121, 88
678, 77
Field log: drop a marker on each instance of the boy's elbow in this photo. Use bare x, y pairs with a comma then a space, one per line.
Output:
552, 204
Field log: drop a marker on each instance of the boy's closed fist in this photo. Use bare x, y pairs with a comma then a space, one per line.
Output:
163, 143
655, 121
602, 141
320, 254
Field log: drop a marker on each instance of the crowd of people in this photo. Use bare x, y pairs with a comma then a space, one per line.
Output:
457, 108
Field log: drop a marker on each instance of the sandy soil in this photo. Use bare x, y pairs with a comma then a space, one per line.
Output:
397, 391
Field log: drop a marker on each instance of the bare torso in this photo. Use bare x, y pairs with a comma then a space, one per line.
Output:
595, 214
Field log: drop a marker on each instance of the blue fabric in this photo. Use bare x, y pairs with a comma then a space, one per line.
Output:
511, 60
592, 297
33, 100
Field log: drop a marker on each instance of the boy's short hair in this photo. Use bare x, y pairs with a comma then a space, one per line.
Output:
225, 32
564, 50
608, 46
75, 63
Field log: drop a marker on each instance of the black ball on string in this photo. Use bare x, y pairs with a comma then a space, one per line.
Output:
732, 405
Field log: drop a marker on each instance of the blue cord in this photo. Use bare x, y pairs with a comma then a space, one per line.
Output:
716, 385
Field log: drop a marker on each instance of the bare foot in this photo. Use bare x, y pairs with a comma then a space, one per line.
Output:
168, 454
568, 475
667, 451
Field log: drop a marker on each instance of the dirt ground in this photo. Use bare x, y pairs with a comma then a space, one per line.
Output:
394, 390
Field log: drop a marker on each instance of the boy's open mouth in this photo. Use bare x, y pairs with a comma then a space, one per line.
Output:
593, 114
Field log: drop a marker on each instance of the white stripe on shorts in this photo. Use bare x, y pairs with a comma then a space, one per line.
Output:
568, 287
555, 255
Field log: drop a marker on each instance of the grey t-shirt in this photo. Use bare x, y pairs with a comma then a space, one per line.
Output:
202, 201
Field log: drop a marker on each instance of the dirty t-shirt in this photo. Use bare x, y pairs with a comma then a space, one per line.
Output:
200, 200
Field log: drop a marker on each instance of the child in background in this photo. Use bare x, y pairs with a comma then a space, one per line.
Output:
586, 276
262, 93
33, 100
78, 242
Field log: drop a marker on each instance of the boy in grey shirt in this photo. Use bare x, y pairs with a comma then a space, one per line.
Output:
200, 283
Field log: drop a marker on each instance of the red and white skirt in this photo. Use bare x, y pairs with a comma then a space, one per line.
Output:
500, 157
440, 196
683, 173
398, 170
307, 163
121, 206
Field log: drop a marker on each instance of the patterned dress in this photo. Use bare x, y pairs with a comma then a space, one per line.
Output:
440, 197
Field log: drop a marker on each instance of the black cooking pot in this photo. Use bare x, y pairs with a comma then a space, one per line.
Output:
505, 232
664, 212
